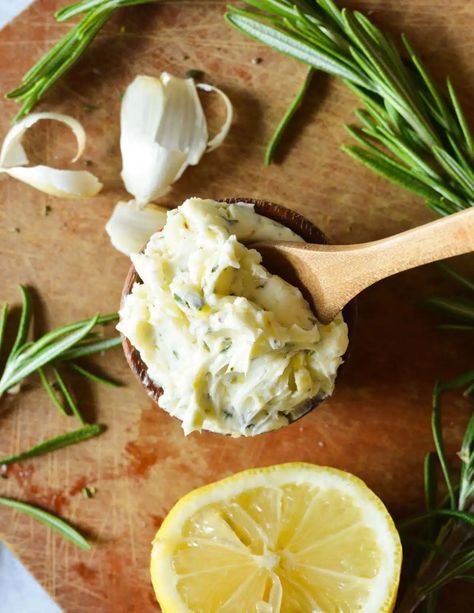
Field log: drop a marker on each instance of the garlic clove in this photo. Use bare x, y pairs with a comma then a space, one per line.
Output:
130, 226
163, 131
184, 125
62, 183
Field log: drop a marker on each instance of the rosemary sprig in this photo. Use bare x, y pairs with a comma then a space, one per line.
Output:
451, 554
412, 132
53, 444
55, 347
57, 524
450, 542
60, 59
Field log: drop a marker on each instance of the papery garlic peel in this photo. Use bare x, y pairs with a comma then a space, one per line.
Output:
53, 181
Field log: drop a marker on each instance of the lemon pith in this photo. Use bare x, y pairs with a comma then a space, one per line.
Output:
286, 538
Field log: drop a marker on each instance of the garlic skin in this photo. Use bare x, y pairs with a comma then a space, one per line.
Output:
52, 181
163, 131
130, 226
220, 137
61, 183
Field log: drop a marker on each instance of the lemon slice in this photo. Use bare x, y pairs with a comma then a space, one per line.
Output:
291, 538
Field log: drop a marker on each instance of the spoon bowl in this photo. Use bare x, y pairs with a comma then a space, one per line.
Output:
309, 233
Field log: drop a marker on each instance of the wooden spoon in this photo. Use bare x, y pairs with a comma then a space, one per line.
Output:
332, 275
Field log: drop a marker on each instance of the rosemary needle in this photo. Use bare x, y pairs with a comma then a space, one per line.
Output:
89, 348
86, 5
24, 324
57, 524
287, 117
53, 444
452, 307
67, 395
438, 440
3, 323
50, 391
467, 517
461, 279
92, 376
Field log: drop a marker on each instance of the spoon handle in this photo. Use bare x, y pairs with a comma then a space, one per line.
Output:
438, 240
334, 274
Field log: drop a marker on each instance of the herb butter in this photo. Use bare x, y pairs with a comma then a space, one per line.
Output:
236, 349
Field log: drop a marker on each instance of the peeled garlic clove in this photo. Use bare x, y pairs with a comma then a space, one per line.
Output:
62, 183
130, 226
53, 181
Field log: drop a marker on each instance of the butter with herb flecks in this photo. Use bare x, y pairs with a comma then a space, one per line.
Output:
236, 349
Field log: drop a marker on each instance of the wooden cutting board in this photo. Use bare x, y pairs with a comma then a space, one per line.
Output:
377, 425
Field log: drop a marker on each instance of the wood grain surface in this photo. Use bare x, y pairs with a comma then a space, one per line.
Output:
377, 425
